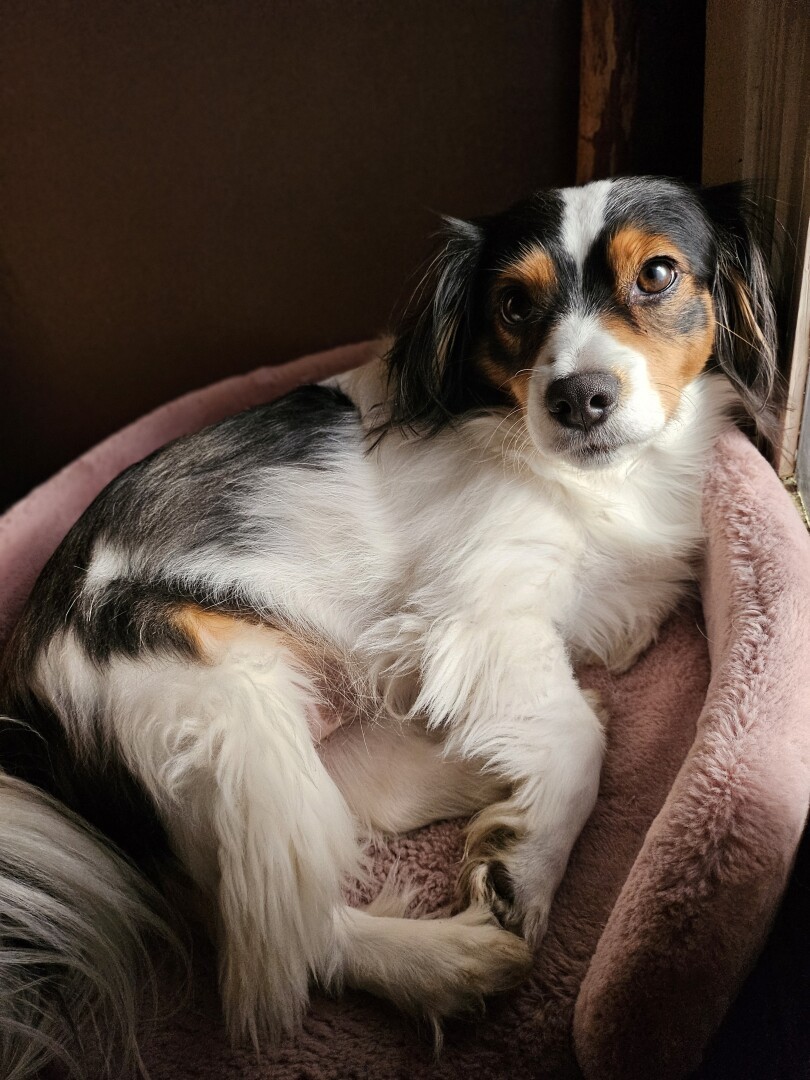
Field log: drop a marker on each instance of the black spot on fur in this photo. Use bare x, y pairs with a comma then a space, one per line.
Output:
183, 497
94, 783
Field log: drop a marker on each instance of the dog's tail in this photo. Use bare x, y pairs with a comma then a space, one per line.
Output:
74, 920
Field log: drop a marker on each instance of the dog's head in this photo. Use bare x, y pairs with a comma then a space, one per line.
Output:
591, 310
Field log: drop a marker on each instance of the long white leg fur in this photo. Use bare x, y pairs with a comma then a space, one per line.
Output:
226, 753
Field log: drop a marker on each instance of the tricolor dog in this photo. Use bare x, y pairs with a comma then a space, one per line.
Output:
361, 608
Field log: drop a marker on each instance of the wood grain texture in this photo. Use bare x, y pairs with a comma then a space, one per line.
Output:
608, 87
641, 88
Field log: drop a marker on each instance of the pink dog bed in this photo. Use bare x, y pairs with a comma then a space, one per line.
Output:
674, 883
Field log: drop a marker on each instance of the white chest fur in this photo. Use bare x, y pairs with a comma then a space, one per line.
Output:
602, 555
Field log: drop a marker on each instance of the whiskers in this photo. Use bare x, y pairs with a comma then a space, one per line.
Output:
510, 438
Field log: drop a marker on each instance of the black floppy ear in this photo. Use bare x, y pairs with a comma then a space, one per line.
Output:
746, 340
432, 341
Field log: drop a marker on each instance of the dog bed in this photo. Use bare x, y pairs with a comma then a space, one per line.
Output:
673, 884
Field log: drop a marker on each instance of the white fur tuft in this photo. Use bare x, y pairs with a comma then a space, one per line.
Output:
74, 918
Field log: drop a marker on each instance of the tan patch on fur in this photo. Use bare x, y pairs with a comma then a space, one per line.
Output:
519, 387
535, 270
674, 358
209, 630
743, 299
630, 248
344, 692
493, 373
204, 629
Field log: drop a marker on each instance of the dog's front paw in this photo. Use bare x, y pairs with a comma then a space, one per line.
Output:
484, 878
623, 651
626, 650
498, 871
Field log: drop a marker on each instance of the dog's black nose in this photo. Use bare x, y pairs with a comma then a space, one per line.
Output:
583, 401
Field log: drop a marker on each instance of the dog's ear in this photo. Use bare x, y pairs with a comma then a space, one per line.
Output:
746, 340
426, 363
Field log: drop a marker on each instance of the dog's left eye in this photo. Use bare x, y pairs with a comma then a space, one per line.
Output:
656, 276
516, 306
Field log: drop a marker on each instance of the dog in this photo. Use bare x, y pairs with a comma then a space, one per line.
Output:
360, 608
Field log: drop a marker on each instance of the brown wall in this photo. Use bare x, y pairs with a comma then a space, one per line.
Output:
191, 188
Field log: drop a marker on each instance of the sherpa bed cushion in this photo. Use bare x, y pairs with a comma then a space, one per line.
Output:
674, 882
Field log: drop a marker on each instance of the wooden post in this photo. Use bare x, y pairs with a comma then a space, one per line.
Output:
608, 87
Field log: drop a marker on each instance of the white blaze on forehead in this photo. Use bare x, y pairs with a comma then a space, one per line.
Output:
579, 343
583, 218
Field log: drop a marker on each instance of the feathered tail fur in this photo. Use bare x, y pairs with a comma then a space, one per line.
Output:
74, 918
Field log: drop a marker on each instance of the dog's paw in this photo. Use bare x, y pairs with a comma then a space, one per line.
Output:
486, 875
480, 959
495, 960
626, 651
504, 868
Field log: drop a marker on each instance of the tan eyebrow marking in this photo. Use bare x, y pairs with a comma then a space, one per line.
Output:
630, 247
535, 269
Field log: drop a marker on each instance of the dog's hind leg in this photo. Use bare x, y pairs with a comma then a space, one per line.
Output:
432, 968
220, 741
222, 744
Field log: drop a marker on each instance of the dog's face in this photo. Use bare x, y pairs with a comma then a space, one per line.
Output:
598, 314
590, 311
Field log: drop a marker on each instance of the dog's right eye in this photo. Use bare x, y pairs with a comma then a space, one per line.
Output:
516, 306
